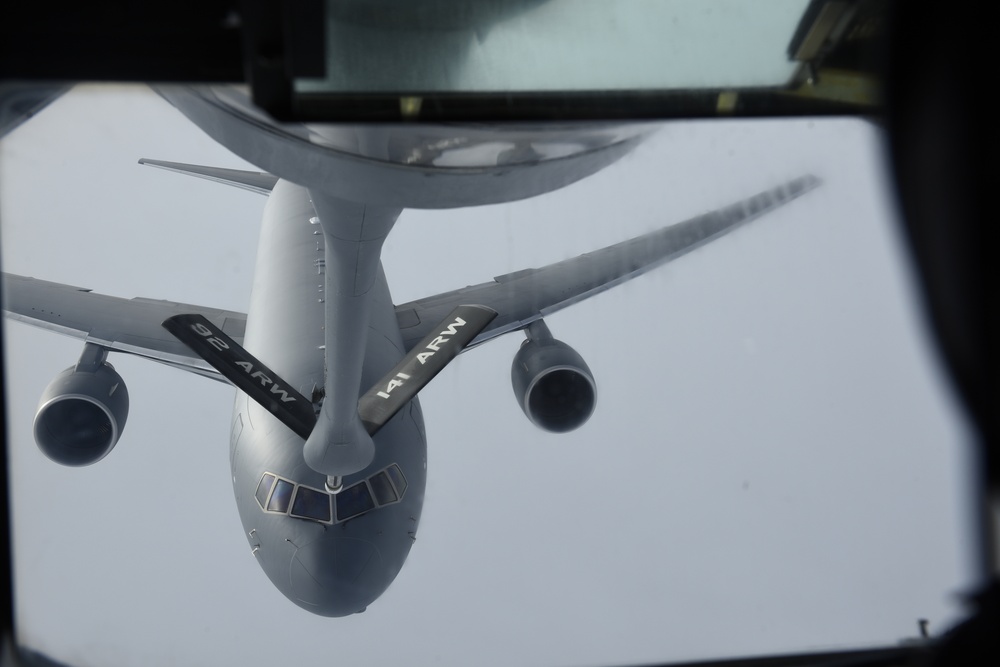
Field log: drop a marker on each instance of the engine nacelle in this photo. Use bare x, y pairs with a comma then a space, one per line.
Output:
553, 385
81, 415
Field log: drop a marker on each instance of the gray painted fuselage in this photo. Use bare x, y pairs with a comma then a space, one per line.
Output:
337, 569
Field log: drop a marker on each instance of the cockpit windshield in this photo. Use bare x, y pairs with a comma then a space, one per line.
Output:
354, 500
382, 488
264, 488
280, 496
311, 504
277, 495
397, 479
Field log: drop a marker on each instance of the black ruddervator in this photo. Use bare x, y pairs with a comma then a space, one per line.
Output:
376, 406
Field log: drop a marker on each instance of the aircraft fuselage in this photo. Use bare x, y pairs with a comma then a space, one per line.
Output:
335, 565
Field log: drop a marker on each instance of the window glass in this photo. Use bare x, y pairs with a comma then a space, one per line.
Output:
311, 504
263, 488
396, 475
384, 493
279, 499
557, 45
353, 501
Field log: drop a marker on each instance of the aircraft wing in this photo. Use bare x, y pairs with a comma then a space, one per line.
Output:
528, 295
124, 325
135, 325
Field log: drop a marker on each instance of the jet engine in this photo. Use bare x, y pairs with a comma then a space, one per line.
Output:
82, 412
552, 382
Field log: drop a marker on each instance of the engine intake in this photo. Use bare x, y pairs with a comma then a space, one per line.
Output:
553, 385
81, 413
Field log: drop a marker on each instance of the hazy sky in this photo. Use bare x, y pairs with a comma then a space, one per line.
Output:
774, 464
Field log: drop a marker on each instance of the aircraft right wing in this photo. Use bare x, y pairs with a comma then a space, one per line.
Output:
524, 296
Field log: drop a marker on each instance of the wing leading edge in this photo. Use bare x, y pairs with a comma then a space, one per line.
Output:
524, 296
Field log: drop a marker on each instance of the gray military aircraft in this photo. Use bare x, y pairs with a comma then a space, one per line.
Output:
327, 448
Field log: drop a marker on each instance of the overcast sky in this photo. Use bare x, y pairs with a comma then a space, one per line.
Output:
774, 464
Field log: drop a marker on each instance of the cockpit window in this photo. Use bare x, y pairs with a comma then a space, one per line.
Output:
311, 504
384, 493
263, 488
353, 501
280, 496
283, 496
396, 475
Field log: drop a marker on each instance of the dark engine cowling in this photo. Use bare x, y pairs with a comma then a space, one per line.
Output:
553, 385
81, 415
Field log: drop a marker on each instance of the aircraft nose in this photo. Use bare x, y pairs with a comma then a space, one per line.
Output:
329, 575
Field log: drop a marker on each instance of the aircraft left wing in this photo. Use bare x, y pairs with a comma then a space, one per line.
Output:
123, 325
524, 296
